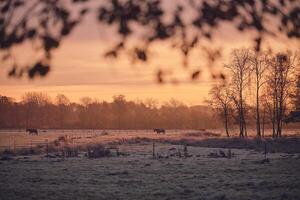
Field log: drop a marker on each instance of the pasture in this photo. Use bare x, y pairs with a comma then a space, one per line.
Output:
138, 175
137, 171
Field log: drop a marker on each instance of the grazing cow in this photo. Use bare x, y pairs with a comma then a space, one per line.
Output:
159, 130
32, 131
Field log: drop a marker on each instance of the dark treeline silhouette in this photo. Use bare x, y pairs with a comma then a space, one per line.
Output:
37, 110
263, 89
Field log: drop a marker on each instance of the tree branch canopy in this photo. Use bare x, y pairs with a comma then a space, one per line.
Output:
48, 22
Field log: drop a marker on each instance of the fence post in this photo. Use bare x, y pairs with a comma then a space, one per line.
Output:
265, 143
47, 148
31, 146
14, 145
117, 151
153, 150
185, 151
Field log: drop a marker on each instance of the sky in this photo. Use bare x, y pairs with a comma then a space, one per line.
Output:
79, 68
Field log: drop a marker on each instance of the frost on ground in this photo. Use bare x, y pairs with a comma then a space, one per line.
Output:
140, 176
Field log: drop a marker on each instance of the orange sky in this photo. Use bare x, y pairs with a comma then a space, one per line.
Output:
78, 68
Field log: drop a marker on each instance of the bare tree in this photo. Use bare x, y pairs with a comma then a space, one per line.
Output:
259, 67
240, 70
266, 109
281, 79
295, 102
220, 98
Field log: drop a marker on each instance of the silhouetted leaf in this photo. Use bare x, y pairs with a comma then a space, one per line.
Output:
113, 54
141, 54
196, 74
222, 76
50, 43
84, 11
18, 3
68, 27
258, 43
38, 69
31, 33
6, 6
12, 72
159, 76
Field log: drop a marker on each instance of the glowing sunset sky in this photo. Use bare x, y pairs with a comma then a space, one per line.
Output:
79, 69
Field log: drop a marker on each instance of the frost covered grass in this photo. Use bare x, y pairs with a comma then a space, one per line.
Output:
60, 142
140, 176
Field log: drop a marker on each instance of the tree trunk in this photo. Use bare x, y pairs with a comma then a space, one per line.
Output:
263, 125
245, 128
273, 128
241, 126
280, 116
274, 117
226, 121
280, 133
258, 130
241, 114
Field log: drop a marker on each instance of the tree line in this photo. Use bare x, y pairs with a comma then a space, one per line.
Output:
38, 110
261, 88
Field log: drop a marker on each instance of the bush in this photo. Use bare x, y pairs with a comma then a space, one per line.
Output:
98, 151
6, 158
28, 151
8, 152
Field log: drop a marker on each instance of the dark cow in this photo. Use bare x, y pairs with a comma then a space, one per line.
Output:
32, 131
159, 130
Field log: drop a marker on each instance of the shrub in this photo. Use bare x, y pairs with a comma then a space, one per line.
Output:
6, 158
8, 152
28, 151
98, 151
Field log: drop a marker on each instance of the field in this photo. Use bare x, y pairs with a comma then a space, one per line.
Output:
197, 173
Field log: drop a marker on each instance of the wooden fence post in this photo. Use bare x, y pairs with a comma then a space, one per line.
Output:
30, 146
14, 145
185, 150
153, 150
265, 143
47, 148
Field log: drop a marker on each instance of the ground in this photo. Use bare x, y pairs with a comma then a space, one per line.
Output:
140, 176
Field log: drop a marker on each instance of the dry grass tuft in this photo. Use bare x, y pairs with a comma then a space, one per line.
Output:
221, 154
201, 134
60, 140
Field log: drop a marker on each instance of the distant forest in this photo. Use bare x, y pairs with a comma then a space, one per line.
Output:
38, 110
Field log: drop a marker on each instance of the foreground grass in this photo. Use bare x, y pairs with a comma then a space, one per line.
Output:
140, 176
